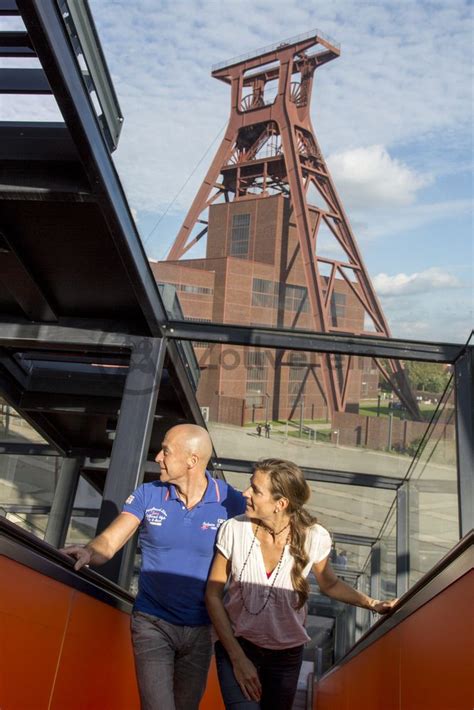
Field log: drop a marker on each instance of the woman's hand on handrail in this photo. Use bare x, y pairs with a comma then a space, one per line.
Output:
382, 607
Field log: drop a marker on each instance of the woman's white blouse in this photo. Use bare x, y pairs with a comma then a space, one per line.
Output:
279, 625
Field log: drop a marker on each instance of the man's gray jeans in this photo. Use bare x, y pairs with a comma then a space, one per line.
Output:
171, 662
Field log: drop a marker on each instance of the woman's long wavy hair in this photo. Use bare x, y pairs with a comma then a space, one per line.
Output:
287, 481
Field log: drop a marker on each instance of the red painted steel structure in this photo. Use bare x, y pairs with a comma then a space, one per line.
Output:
270, 147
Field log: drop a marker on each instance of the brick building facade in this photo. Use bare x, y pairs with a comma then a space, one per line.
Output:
253, 274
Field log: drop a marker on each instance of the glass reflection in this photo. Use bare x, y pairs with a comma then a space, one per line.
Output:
13, 428
388, 556
432, 492
264, 402
27, 485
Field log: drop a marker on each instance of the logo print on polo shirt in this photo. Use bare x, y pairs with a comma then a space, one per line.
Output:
155, 516
213, 526
130, 499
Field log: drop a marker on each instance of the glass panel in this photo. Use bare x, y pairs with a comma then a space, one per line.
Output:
388, 557
374, 428
16, 429
354, 510
371, 431
350, 558
433, 495
364, 618
85, 514
27, 485
34, 523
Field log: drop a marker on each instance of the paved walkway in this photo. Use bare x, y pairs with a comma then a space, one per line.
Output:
244, 443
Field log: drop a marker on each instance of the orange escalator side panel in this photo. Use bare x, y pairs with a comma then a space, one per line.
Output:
331, 693
97, 668
437, 651
427, 661
374, 675
33, 616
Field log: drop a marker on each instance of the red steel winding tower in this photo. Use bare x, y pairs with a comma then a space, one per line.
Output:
269, 148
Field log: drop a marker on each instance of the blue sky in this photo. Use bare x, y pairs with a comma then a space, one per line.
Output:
393, 116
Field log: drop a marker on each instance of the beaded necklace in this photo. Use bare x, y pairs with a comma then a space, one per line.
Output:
270, 591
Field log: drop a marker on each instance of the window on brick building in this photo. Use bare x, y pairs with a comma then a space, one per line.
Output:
338, 307
264, 293
239, 239
296, 374
296, 298
256, 364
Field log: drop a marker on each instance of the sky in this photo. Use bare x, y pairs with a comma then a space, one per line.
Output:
393, 116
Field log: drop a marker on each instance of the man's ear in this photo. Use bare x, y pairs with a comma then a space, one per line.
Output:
193, 460
283, 503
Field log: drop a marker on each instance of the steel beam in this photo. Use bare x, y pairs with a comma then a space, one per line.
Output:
63, 501
86, 404
21, 335
366, 346
38, 141
21, 283
23, 81
12, 394
8, 8
13, 448
318, 474
464, 392
130, 449
49, 36
15, 44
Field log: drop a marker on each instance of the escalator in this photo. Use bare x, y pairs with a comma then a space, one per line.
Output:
65, 640
421, 657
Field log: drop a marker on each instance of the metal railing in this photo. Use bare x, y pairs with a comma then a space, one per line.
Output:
317, 34
80, 25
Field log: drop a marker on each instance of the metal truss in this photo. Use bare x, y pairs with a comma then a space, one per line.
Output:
270, 146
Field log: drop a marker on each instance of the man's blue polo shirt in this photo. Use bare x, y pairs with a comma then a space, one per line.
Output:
177, 547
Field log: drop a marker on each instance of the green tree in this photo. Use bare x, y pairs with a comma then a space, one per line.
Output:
427, 376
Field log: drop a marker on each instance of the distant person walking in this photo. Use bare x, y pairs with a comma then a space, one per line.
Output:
259, 429
268, 428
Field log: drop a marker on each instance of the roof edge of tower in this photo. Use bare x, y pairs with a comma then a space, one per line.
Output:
314, 36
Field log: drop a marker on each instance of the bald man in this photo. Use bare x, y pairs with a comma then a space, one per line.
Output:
178, 517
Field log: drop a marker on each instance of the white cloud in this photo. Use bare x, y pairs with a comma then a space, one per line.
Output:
393, 112
369, 178
422, 282
388, 87
439, 315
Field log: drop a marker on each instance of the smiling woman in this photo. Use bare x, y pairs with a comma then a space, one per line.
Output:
267, 555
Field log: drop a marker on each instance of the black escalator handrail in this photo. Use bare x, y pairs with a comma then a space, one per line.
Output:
23, 547
464, 545
457, 562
